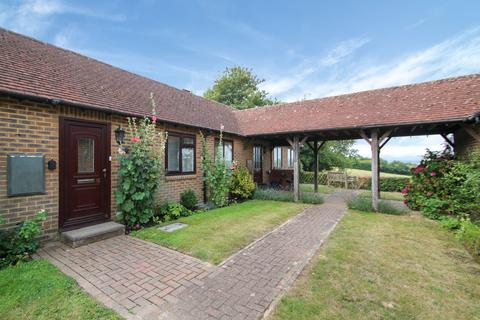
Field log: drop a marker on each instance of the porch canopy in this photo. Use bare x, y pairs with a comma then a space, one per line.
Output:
437, 107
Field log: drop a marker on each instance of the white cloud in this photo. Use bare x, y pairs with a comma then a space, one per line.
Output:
342, 50
416, 24
456, 56
299, 74
33, 17
404, 148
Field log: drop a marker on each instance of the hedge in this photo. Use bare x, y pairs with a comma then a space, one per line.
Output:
387, 184
393, 184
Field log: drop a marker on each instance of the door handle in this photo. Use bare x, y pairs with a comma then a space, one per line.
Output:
104, 170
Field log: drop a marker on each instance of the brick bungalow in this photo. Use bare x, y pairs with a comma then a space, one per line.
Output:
63, 108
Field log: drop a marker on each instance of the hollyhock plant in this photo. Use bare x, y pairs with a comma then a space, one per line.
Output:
143, 163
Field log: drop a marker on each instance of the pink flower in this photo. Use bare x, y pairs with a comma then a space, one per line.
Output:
405, 190
405, 201
136, 139
433, 174
154, 119
419, 169
222, 127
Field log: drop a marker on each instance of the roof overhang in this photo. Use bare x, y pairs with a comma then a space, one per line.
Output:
446, 126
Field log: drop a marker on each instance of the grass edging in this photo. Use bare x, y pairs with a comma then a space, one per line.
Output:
364, 204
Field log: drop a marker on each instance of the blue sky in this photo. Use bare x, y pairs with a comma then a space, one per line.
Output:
304, 49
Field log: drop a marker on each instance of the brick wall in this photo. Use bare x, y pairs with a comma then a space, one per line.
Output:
465, 143
30, 127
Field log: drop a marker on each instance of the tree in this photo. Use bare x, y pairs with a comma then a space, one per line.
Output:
333, 154
239, 87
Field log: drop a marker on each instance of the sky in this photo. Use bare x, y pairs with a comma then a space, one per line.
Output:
303, 49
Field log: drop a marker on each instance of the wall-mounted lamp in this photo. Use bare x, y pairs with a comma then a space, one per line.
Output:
120, 137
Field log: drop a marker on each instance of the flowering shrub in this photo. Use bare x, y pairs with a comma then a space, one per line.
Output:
441, 185
242, 185
140, 171
216, 173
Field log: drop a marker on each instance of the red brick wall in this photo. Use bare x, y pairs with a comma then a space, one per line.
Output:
30, 127
465, 143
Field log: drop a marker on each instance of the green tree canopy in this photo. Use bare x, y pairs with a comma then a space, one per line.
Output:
336, 154
238, 87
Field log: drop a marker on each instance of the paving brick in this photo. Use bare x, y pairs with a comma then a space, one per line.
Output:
154, 282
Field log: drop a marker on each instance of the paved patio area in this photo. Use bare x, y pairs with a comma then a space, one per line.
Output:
141, 280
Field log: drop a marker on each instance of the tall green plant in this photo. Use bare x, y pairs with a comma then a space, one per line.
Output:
216, 173
140, 171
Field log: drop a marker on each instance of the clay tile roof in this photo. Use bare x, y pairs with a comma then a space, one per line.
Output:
435, 101
35, 68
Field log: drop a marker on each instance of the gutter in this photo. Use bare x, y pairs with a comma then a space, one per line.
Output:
55, 101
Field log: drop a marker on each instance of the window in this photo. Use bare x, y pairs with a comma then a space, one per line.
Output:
257, 157
180, 158
227, 151
290, 158
86, 155
277, 157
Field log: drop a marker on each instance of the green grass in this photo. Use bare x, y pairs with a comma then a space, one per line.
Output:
306, 187
365, 204
214, 235
398, 196
376, 266
366, 173
38, 290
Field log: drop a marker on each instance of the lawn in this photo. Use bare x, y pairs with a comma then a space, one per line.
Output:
377, 266
215, 235
306, 187
367, 173
37, 290
385, 195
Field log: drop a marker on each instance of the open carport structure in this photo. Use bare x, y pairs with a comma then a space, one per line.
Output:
449, 106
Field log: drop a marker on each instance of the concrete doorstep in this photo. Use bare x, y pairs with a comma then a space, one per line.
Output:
79, 237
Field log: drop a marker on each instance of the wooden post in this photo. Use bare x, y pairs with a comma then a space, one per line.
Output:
375, 169
315, 166
296, 168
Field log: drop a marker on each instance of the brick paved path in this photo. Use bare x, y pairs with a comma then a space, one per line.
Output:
145, 281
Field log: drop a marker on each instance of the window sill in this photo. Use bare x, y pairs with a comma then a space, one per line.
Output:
181, 177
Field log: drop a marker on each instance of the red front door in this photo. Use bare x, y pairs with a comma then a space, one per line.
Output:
84, 173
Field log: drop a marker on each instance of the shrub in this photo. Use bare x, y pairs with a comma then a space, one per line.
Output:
171, 211
450, 223
311, 198
365, 204
188, 199
139, 172
216, 173
241, 185
286, 196
272, 194
469, 234
19, 243
433, 207
441, 185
